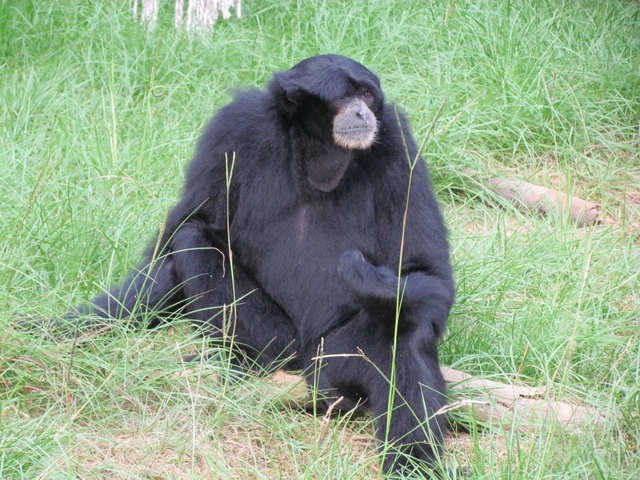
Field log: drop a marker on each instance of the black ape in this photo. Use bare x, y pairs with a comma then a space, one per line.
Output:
294, 210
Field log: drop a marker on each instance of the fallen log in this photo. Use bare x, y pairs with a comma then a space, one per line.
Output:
514, 406
487, 401
529, 197
545, 200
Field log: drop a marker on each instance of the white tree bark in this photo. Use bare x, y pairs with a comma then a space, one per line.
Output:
201, 15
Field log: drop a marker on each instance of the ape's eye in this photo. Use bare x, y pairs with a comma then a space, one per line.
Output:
367, 95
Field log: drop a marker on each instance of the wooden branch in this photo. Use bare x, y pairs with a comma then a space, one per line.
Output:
512, 406
529, 197
490, 402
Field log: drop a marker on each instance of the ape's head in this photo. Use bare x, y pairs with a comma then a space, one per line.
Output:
334, 98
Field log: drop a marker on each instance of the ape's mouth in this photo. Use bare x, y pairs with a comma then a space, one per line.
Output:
362, 128
355, 137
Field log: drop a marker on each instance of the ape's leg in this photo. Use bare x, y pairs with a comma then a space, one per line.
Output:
149, 293
416, 385
226, 301
411, 428
195, 277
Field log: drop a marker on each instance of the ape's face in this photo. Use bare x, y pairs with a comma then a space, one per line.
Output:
335, 95
355, 126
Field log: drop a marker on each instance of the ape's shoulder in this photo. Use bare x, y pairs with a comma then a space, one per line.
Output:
394, 127
395, 146
250, 112
245, 132
244, 123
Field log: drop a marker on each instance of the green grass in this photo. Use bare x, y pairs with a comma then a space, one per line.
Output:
99, 117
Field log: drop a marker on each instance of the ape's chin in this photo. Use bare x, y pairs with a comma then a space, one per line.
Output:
355, 138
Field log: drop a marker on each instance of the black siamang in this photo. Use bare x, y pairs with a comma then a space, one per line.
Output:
308, 231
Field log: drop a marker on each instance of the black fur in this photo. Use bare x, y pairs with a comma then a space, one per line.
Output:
312, 266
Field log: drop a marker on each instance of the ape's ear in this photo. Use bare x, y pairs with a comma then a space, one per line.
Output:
289, 86
294, 94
